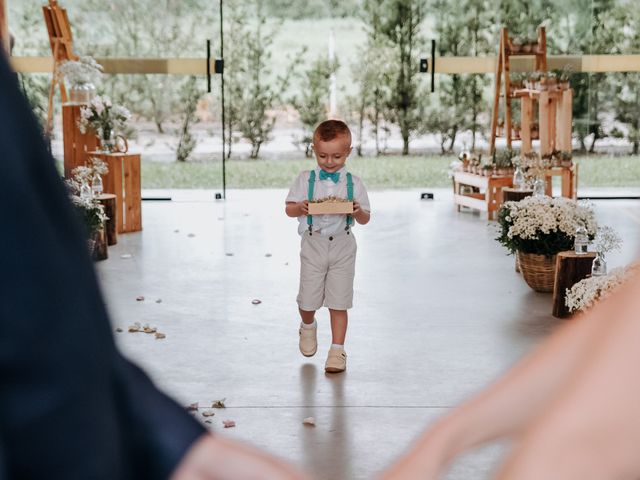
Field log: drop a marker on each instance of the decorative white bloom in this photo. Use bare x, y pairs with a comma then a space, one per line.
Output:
104, 118
535, 215
607, 240
587, 292
82, 71
98, 105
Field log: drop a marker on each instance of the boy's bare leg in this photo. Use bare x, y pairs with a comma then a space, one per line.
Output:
339, 320
307, 316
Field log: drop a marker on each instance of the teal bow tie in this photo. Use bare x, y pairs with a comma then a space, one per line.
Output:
335, 176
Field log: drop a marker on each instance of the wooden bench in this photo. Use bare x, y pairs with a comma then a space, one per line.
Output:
488, 199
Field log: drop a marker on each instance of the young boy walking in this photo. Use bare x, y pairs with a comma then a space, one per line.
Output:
328, 247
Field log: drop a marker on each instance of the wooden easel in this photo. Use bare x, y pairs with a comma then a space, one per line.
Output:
503, 69
61, 42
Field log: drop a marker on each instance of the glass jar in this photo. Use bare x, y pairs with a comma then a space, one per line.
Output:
82, 93
581, 241
599, 266
518, 178
85, 191
107, 141
538, 187
96, 185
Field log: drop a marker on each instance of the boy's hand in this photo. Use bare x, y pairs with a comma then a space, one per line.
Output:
304, 207
361, 216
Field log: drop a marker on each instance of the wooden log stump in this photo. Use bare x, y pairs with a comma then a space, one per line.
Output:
123, 180
570, 269
108, 201
515, 195
100, 250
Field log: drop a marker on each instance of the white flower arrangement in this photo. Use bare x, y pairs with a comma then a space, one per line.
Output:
82, 71
89, 208
607, 240
587, 292
103, 117
544, 225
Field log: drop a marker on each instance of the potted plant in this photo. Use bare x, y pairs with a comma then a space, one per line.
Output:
543, 84
566, 159
81, 75
504, 161
105, 119
535, 131
564, 77
516, 45
537, 229
516, 130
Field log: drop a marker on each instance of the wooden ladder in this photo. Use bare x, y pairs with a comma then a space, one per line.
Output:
503, 70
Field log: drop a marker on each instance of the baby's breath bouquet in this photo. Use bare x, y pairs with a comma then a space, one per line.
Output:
89, 209
104, 118
543, 225
587, 292
82, 71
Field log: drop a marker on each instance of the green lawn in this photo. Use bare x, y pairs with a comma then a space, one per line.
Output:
377, 172
381, 172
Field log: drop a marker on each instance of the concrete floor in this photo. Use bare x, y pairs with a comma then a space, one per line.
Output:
439, 312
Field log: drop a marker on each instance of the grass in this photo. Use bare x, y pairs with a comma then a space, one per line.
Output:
609, 171
377, 172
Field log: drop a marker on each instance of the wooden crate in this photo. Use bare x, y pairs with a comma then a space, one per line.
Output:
330, 208
76, 144
123, 180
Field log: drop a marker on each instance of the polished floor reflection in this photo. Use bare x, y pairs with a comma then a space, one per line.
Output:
438, 312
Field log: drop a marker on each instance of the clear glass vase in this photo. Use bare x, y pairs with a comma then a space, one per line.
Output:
538, 187
108, 141
518, 178
82, 93
85, 191
581, 241
96, 185
599, 266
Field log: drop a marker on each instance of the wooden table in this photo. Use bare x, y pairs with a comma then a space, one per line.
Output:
488, 199
123, 180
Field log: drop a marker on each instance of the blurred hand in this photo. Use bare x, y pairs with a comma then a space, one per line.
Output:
216, 458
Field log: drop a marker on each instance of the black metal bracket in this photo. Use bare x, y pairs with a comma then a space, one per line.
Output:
218, 66
425, 67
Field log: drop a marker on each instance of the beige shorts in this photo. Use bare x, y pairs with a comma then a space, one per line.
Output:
327, 268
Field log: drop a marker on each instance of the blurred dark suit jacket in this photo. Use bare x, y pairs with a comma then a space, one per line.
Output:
71, 407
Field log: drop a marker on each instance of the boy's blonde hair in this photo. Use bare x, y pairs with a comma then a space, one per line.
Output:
330, 129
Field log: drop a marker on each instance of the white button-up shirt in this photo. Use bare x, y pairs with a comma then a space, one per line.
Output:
327, 224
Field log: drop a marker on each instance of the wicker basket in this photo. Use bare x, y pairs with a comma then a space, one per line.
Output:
539, 271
